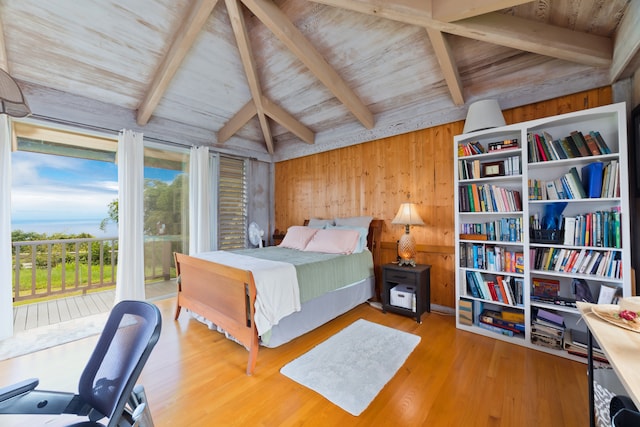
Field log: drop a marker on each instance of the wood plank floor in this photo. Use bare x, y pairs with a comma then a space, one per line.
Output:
195, 377
29, 316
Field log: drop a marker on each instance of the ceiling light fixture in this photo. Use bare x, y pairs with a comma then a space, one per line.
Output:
12, 102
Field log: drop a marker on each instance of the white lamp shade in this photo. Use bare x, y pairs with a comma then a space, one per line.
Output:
407, 215
483, 115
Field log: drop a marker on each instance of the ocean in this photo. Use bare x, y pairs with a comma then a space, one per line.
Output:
91, 226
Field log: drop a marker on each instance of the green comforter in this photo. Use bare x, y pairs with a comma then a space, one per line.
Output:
318, 273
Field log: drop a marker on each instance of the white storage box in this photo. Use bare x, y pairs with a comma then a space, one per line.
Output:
403, 296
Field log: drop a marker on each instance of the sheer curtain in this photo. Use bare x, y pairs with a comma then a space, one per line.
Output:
199, 200
130, 276
6, 296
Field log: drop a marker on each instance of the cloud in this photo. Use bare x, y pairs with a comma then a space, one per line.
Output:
46, 187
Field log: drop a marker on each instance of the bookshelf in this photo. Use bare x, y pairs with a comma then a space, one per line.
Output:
542, 220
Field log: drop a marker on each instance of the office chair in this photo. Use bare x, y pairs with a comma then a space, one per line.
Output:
107, 386
623, 412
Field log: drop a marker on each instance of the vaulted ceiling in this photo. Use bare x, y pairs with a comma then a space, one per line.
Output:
286, 78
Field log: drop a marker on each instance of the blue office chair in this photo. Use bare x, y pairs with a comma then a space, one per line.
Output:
107, 386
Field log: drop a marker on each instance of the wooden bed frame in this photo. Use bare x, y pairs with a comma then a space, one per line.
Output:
230, 303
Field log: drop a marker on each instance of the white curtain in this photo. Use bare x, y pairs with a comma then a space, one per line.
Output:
6, 295
199, 200
130, 276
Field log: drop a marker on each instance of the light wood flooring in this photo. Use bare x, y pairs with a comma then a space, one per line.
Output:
195, 377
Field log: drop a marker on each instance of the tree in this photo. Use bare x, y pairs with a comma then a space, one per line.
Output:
112, 215
162, 207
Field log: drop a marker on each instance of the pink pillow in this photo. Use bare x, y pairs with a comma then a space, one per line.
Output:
334, 241
297, 237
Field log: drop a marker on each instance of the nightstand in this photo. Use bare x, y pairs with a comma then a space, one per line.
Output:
417, 278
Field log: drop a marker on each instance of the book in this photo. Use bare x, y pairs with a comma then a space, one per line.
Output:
602, 146
576, 181
465, 309
546, 341
494, 318
578, 139
592, 145
548, 317
592, 179
545, 287
569, 230
570, 147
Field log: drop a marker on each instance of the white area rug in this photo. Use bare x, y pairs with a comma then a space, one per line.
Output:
351, 367
48, 336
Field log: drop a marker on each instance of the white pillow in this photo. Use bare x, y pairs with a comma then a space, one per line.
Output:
355, 221
334, 241
297, 237
320, 223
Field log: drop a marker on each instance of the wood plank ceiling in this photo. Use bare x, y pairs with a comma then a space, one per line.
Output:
286, 78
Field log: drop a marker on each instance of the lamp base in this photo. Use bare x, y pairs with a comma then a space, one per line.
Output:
409, 262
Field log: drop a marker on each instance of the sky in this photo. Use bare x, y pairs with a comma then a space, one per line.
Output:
57, 188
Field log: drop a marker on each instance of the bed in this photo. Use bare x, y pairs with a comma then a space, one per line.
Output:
227, 289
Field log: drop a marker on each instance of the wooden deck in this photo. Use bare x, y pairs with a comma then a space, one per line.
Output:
45, 313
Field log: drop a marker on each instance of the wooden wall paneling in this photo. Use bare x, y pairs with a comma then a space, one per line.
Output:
373, 178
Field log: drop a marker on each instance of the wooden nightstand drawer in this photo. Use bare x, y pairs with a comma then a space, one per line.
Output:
400, 276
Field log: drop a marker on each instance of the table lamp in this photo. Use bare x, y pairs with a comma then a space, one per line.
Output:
407, 215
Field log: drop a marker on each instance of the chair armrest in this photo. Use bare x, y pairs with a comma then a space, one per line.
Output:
18, 388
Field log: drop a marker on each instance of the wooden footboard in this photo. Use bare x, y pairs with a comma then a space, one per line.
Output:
222, 294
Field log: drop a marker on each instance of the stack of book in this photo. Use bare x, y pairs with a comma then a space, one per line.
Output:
506, 322
575, 342
507, 144
547, 329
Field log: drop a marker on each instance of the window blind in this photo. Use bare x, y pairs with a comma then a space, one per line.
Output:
232, 204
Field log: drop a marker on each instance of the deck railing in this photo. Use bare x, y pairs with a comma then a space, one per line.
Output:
47, 268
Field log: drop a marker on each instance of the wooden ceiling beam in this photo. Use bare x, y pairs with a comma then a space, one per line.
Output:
626, 49
189, 29
236, 15
535, 37
496, 28
240, 119
453, 10
447, 65
285, 119
276, 21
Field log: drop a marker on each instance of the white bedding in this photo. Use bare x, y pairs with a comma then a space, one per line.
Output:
278, 294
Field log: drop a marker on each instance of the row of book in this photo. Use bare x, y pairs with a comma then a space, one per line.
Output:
597, 180
503, 229
488, 198
470, 149
547, 329
509, 323
474, 169
600, 229
499, 288
542, 147
491, 258
583, 261
475, 147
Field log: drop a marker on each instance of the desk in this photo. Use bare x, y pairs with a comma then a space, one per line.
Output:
622, 348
